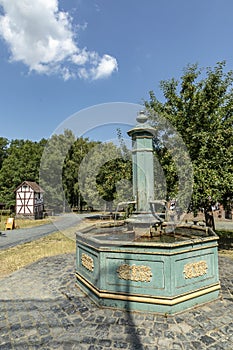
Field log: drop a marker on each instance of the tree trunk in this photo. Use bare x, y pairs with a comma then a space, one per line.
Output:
209, 219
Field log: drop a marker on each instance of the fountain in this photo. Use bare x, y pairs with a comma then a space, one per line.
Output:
142, 264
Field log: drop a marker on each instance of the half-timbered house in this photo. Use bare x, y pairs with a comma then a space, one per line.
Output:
29, 200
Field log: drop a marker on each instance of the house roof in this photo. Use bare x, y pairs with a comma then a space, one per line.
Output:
33, 185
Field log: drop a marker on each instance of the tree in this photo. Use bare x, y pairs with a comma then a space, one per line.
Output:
51, 170
114, 181
3, 149
22, 163
104, 177
200, 107
74, 157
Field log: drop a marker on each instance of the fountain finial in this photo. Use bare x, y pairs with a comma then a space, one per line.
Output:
141, 117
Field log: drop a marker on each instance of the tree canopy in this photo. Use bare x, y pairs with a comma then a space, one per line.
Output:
51, 169
200, 107
105, 176
20, 162
79, 149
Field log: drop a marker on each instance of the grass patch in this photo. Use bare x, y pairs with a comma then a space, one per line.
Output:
224, 233
15, 258
23, 223
226, 252
225, 243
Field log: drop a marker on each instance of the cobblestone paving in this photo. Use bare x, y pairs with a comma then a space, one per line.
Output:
40, 308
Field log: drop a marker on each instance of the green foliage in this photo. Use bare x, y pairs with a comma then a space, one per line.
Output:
200, 107
79, 149
21, 163
225, 233
113, 181
104, 177
3, 149
72, 172
51, 169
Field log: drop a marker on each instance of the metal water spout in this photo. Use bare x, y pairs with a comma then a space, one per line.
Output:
122, 204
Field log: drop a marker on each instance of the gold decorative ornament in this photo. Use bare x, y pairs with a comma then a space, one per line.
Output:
135, 273
87, 262
196, 269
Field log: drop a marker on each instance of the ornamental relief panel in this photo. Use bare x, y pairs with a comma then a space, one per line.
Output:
87, 262
192, 270
135, 273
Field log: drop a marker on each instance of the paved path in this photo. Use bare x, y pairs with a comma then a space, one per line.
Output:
224, 225
11, 238
40, 308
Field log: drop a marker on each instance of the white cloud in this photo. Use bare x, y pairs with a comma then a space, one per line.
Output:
80, 57
105, 67
42, 37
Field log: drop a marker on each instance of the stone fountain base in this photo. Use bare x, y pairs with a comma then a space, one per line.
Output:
166, 277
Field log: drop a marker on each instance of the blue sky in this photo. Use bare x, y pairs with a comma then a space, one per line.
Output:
59, 57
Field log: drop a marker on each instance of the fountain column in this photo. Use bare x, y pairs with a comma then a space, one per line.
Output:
143, 170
